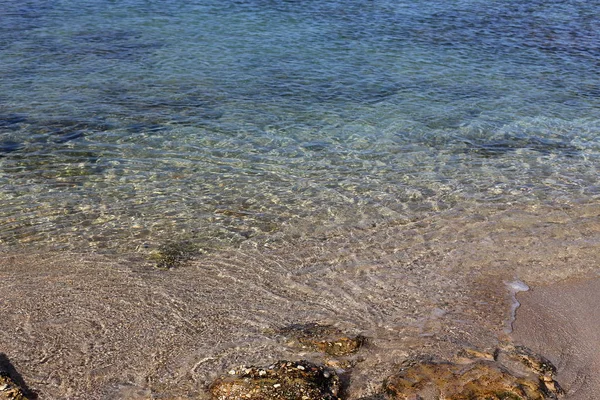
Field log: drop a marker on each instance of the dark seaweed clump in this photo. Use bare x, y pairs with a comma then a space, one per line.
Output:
175, 254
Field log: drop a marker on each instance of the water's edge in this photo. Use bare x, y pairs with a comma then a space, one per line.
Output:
562, 321
96, 327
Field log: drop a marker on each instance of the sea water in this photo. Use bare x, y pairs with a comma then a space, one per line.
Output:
383, 166
127, 123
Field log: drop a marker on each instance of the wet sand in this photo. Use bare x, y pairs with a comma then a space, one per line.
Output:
112, 327
562, 321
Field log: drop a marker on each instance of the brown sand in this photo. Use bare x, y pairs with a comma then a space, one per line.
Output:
562, 322
111, 327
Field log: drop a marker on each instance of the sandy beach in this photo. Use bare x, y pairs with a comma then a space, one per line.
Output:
562, 321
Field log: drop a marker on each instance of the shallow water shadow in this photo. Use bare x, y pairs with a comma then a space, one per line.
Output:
510, 144
6, 368
10, 146
11, 120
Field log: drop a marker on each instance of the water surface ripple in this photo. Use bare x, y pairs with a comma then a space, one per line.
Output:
126, 123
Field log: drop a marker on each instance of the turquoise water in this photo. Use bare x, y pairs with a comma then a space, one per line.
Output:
126, 123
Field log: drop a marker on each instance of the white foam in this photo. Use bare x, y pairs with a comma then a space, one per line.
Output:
517, 286
514, 287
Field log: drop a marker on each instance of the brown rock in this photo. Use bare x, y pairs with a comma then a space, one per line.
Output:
9, 390
480, 380
284, 380
322, 338
515, 373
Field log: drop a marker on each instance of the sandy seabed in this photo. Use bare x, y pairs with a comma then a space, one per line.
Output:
90, 326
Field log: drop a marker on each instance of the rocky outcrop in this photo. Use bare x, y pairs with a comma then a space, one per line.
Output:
9, 390
510, 373
283, 380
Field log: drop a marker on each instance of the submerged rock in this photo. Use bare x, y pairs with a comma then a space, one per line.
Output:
322, 338
284, 380
174, 254
511, 372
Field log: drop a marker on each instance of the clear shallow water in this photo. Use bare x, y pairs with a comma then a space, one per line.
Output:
126, 123
103, 327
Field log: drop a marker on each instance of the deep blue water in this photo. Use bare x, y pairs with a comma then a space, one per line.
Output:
124, 123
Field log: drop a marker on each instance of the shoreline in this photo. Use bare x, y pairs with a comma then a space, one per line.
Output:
93, 326
562, 322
